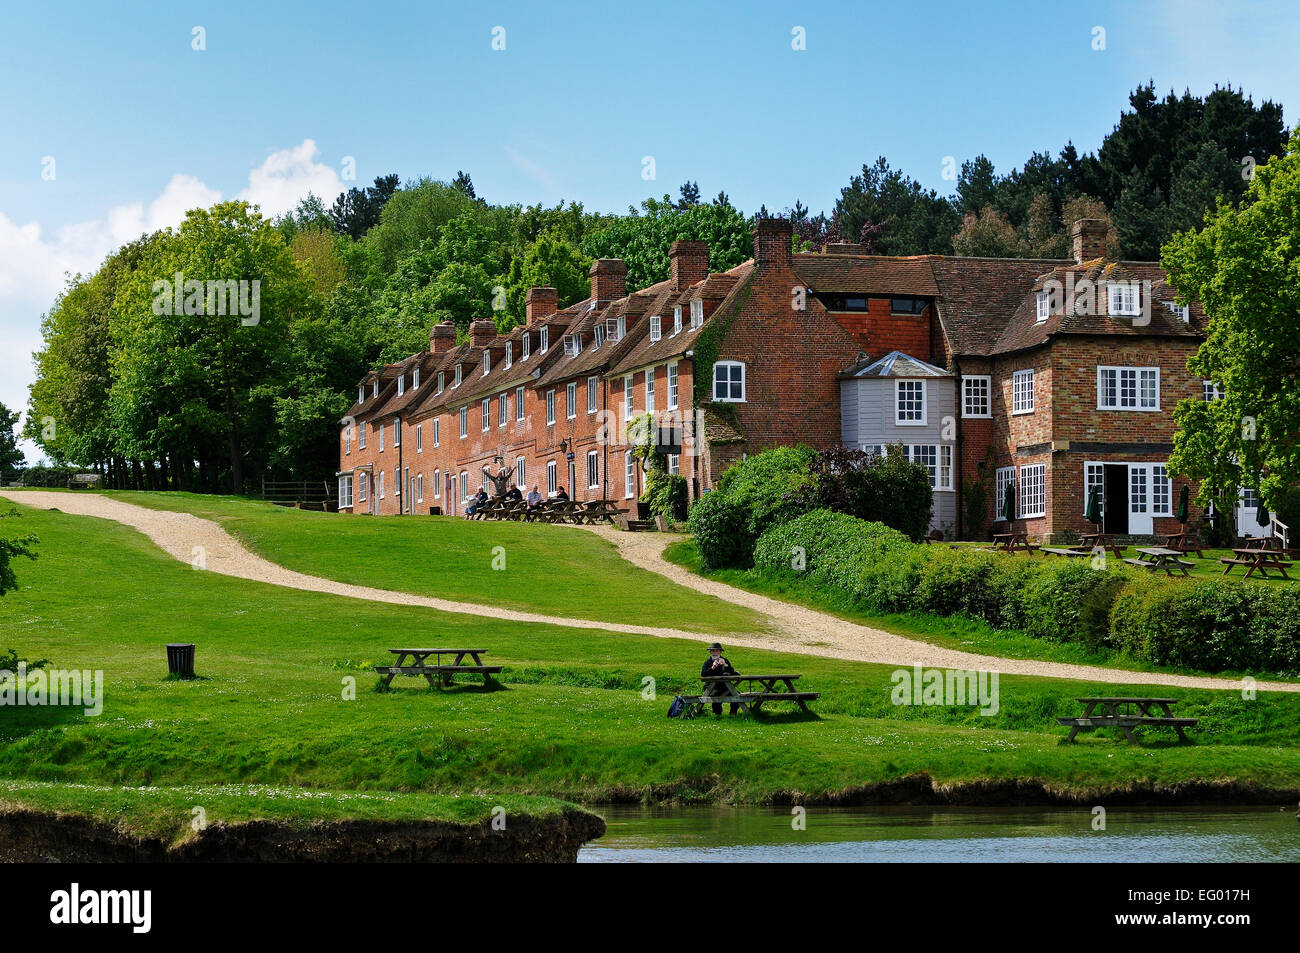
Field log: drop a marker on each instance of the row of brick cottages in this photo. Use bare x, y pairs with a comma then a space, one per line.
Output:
974, 365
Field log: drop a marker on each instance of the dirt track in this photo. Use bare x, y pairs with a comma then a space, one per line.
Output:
790, 628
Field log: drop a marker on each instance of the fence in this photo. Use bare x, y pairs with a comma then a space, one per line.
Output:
298, 491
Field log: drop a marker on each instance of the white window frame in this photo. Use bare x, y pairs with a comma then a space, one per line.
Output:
697, 313
1141, 376
397, 431
1019, 391
944, 477
381, 484
464, 422
552, 478
419, 438
677, 319
347, 439
458, 376
361, 394
401, 384
1044, 307
967, 397
593, 393
1123, 299
629, 397
415, 378
510, 354
437, 484
519, 404
521, 473
485, 408
419, 488
524, 351
550, 407
629, 475
1211, 391
543, 340
437, 430
593, 469
361, 487
729, 382
1038, 473
656, 327
442, 377
487, 361
649, 390
381, 438
503, 410
375, 389
361, 434
908, 384
571, 400
1003, 477
345, 492
672, 385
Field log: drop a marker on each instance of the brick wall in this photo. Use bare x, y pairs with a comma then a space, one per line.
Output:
878, 330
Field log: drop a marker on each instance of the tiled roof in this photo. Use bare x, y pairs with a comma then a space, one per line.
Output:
719, 431
978, 296
871, 274
635, 309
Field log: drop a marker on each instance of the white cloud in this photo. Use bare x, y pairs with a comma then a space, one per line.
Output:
35, 260
288, 175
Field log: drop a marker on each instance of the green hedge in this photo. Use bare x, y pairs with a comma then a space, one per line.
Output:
1212, 626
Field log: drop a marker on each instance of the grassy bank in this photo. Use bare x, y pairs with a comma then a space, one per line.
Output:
556, 571
274, 705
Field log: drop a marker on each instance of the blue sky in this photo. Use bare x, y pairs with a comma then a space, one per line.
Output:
140, 125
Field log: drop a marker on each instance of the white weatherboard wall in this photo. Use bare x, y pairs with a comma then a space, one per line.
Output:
867, 418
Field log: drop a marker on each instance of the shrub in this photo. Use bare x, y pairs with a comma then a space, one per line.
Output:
1068, 601
666, 493
889, 490
760, 491
960, 582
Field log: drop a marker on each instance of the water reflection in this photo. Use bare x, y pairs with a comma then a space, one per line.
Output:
907, 834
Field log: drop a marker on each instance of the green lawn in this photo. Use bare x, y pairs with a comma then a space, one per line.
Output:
272, 706
553, 570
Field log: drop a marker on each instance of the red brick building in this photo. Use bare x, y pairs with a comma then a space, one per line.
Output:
1049, 375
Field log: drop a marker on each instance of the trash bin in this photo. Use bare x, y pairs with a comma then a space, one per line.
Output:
180, 659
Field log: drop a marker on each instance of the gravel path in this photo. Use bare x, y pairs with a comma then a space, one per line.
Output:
791, 628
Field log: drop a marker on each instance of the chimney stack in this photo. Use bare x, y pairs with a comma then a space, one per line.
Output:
608, 280
481, 332
540, 303
442, 338
1089, 235
689, 262
772, 238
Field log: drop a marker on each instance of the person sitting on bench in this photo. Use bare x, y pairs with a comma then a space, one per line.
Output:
480, 498
534, 498
718, 665
514, 495
561, 495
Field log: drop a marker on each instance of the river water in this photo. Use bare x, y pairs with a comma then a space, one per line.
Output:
905, 834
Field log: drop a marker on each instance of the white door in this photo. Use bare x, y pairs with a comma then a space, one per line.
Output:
1247, 509
1139, 499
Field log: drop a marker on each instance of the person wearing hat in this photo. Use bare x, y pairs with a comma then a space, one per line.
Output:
718, 665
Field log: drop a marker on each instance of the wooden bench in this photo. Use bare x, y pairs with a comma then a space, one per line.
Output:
1126, 721
437, 674
84, 481
1257, 559
1160, 557
1071, 553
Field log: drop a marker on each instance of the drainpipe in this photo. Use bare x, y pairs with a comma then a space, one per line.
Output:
401, 488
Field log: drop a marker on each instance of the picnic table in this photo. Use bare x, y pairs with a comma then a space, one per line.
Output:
1126, 720
1260, 557
1013, 542
773, 688
1160, 557
437, 674
1090, 541
1185, 543
592, 511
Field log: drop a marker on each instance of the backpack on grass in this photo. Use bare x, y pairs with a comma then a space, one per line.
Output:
676, 707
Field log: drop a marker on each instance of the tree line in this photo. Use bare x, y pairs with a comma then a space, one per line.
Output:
153, 377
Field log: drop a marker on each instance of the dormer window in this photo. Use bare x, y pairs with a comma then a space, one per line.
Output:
401, 384
487, 361
677, 319
524, 355
572, 344
361, 394
656, 327
543, 340
441, 380
622, 327
697, 313
598, 336
415, 379
611, 329
1044, 306
375, 392
1182, 311
510, 355
457, 383
1122, 299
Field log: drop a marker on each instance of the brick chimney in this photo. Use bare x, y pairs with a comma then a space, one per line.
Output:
772, 238
843, 248
1089, 235
540, 303
442, 338
689, 262
608, 279
481, 332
